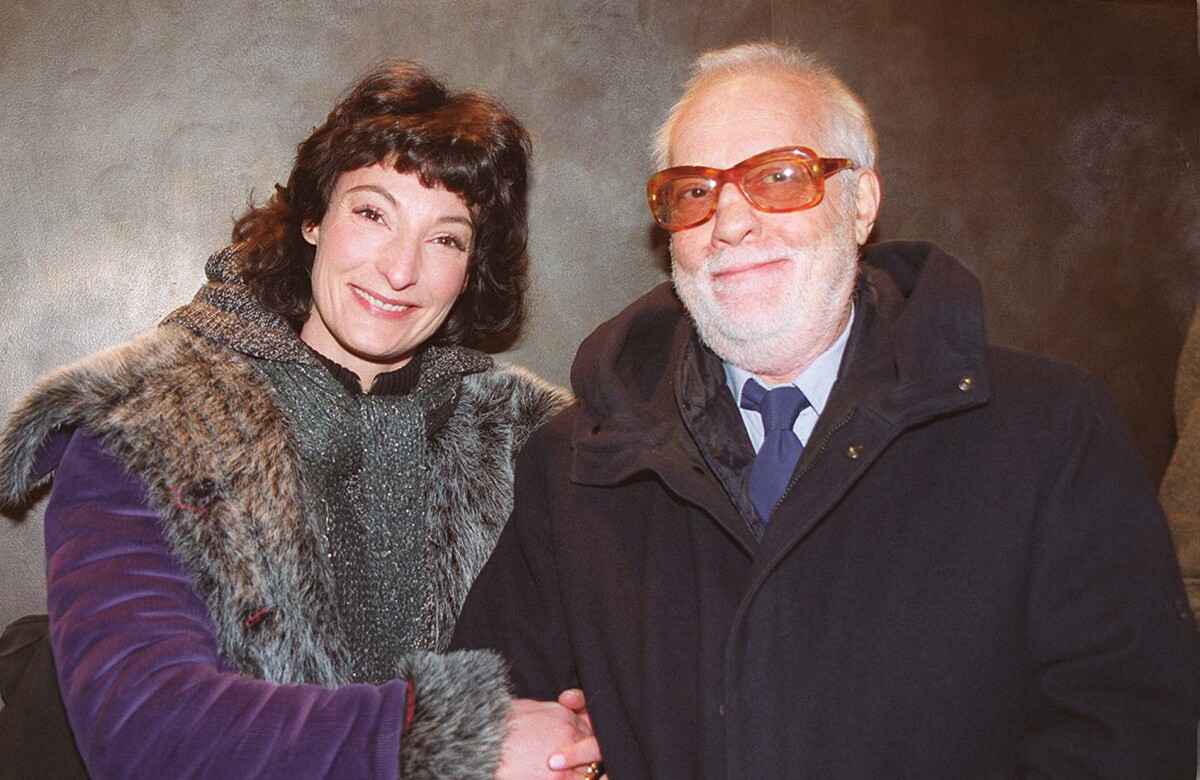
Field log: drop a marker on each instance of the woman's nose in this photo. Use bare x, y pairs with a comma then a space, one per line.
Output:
400, 263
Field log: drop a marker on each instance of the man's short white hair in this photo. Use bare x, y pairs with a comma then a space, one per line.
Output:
845, 129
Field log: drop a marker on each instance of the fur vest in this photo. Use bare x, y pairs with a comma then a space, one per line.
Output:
201, 427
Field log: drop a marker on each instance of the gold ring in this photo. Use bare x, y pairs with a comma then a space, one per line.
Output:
595, 769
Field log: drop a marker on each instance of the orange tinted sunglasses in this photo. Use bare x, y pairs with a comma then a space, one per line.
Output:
778, 180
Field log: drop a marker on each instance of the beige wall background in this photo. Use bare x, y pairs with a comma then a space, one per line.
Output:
1051, 146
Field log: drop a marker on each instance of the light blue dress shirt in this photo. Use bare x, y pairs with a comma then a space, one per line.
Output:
815, 382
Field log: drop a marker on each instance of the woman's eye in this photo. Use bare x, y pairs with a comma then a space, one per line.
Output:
451, 241
375, 215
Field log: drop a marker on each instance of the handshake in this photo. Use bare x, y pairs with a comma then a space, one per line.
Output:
550, 739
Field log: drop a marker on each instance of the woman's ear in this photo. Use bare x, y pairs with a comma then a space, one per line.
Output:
310, 230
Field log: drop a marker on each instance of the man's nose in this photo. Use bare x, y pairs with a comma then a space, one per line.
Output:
736, 219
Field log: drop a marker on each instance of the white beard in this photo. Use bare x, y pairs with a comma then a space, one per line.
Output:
786, 325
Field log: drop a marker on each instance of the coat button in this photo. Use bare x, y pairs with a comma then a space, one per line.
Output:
854, 451
965, 384
721, 710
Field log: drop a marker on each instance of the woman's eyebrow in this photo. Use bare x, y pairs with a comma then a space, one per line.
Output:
377, 189
384, 193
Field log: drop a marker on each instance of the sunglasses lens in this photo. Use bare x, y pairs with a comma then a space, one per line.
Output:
783, 184
683, 201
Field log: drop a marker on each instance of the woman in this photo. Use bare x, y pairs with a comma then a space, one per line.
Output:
288, 487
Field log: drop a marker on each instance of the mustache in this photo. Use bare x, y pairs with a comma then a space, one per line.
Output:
734, 258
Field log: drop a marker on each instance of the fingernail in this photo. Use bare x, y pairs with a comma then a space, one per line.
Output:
558, 762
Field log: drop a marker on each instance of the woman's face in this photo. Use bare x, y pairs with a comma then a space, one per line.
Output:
391, 260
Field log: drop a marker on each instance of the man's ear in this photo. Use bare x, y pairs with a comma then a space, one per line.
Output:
310, 230
866, 203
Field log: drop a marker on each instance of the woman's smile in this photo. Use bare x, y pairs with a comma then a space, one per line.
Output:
377, 304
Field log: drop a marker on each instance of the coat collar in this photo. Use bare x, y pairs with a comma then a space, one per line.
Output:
916, 352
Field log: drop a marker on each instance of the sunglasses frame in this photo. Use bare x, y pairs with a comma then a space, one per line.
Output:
820, 168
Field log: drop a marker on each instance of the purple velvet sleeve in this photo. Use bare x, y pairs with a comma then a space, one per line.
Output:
145, 687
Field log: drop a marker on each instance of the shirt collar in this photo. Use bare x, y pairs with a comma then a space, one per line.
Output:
815, 382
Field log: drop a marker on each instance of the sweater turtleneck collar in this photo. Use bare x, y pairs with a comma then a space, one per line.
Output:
400, 381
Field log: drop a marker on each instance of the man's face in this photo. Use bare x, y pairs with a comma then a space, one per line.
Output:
768, 292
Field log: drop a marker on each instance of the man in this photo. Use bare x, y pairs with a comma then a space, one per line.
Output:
963, 574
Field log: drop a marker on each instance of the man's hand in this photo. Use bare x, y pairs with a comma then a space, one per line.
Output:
536, 729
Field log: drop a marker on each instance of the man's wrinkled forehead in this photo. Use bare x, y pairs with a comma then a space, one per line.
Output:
730, 118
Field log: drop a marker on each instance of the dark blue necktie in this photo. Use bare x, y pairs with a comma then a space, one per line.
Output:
781, 447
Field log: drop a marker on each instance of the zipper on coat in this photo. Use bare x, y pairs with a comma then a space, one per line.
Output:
808, 466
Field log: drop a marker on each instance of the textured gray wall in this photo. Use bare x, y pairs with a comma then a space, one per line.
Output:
1050, 145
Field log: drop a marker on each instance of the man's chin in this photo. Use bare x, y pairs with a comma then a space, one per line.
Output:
759, 289
750, 318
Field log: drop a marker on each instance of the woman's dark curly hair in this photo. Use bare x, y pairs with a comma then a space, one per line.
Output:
400, 115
